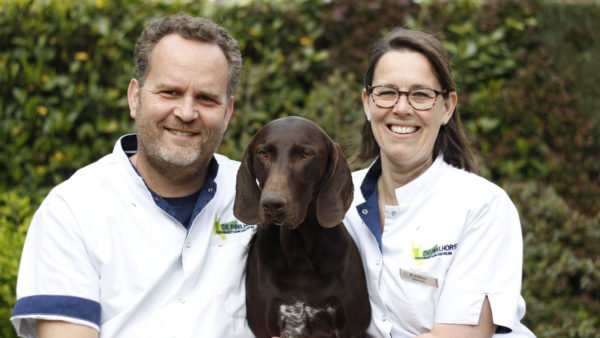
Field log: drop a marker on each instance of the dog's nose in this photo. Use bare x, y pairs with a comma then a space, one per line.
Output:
273, 204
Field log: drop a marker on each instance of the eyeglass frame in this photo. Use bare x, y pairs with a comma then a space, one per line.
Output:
407, 92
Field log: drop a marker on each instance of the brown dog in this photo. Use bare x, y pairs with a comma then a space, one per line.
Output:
304, 276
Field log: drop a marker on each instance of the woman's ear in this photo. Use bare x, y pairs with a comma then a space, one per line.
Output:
449, 106
366, 106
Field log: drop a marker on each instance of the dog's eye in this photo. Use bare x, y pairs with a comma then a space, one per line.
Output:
262, 154
306, 155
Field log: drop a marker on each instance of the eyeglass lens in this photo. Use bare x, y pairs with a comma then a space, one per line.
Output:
420, 99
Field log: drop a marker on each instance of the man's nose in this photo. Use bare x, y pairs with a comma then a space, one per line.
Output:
186, 109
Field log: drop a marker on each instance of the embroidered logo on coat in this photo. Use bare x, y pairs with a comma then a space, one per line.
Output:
437, 250
223, 229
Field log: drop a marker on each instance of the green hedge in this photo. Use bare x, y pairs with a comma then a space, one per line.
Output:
16, 210
527, 81
548, 113
561, 281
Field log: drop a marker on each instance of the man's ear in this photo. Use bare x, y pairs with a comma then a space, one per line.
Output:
133, 93
228, 112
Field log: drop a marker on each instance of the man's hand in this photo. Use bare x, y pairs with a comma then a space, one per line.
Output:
60, 329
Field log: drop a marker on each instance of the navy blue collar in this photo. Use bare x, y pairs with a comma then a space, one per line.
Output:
205, 195
369, 210
129, 144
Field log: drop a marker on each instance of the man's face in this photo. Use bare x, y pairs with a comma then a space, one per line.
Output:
182, 110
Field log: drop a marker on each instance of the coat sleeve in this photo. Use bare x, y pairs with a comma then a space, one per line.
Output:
488, 262
57, 279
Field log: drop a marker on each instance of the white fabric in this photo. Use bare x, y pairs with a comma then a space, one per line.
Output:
478, 236
100, 236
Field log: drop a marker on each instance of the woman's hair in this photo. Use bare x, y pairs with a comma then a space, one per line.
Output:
451, 141
189, 27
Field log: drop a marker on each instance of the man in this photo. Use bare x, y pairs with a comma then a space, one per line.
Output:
143, 243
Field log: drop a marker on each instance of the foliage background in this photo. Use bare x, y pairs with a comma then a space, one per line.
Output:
528, 86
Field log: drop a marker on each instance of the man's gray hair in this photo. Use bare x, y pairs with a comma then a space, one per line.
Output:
189, 27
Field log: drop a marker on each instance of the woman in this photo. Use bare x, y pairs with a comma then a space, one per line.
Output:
441, 246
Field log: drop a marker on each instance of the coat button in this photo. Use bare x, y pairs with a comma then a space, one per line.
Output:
365, 211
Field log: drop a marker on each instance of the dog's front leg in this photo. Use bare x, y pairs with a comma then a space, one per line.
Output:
274, 318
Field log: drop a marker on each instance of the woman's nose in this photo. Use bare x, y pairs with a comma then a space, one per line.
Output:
402, 106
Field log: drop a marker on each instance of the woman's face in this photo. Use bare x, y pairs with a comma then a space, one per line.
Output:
406, 136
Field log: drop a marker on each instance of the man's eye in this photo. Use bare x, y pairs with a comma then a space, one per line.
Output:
169, 92
207, 99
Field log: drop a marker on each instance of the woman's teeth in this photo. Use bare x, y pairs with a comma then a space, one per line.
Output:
403, 129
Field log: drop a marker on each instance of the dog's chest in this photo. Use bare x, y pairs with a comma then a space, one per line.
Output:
300, 320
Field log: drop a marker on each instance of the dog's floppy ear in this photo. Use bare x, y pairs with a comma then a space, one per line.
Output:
335, 196
247, 194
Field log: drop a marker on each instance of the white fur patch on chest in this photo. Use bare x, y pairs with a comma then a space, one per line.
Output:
297, 320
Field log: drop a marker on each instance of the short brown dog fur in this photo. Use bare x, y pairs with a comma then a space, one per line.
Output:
304, 274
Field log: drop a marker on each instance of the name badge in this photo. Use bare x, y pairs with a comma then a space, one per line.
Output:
418, 278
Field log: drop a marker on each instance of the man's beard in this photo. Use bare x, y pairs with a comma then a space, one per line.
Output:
171, 161
158, 152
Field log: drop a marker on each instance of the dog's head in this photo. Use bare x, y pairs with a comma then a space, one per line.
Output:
288, 164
